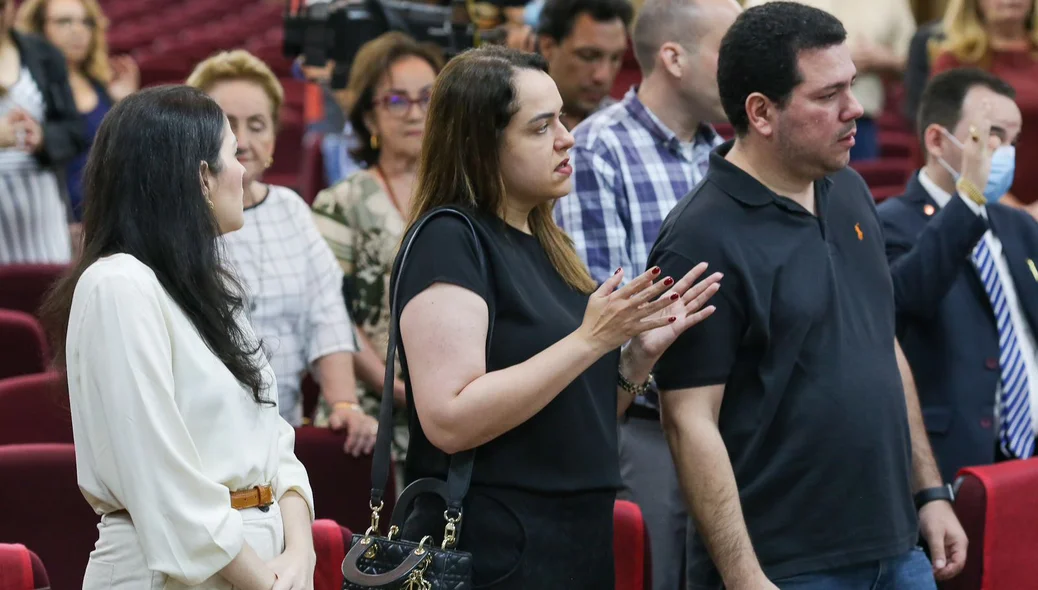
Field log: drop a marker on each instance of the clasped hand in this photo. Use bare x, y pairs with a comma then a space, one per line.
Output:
20, 131
294, 570
654, 311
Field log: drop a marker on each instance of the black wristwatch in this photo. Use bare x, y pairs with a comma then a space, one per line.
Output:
923, 497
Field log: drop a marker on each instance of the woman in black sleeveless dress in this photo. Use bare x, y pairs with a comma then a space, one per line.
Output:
541, 413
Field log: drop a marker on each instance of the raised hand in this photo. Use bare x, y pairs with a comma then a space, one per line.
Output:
688, 310
614, 316
978, 148
126, 77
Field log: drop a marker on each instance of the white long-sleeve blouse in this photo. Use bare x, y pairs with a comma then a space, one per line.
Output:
162, 428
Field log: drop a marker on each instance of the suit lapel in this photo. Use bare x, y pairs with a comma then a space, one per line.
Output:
1017, 254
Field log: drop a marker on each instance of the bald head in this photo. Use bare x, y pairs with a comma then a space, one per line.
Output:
683, 22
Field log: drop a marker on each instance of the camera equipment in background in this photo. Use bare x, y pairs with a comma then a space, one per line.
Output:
336, 30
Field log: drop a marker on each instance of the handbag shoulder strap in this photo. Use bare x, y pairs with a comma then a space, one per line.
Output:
460, 472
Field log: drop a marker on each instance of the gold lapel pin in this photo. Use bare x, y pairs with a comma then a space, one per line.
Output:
1034, 270
929, 210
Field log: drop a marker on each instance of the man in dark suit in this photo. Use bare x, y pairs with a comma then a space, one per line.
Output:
965, 280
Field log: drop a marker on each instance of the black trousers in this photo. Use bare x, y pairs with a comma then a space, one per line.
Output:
523, 540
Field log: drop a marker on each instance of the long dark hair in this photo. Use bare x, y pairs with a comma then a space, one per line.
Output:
143, 197
472, 102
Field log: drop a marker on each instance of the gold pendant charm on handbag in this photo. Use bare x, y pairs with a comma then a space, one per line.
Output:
417, 581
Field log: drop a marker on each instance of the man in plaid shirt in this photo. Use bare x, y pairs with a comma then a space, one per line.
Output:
632, 162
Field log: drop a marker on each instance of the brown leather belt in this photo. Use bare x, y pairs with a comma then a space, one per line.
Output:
257, 497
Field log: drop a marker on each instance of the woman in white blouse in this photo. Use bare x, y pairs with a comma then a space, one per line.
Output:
293, 281
179, 444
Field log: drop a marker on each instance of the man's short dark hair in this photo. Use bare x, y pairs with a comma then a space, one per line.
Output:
944, 94
558, 16
759, 54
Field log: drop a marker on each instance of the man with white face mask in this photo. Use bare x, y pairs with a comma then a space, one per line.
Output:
965, 280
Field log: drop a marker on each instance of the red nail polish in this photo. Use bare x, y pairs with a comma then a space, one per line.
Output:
668, 282
617, 271
674, 297
672, 319
655, 270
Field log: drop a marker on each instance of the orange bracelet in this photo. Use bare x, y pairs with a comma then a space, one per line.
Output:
351, 405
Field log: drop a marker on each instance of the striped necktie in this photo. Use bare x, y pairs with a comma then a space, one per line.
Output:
1016, 432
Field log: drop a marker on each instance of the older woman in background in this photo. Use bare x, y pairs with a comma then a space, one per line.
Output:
363, 217
1002, 38
287, 268
77, 28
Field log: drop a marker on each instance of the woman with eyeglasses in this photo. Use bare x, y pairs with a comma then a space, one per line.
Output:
363, 217
40, 131
77, 28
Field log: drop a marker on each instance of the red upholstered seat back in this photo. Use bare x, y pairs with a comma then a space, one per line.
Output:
311, 179
24, 344
631, 546
21, 569
996, 506
35, 409
23, 286
331, 542
341, 483
47, 512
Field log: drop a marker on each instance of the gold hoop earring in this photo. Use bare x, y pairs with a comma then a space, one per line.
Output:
374, 142
270, 162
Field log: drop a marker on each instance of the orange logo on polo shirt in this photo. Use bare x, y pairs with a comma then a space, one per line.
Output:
857, 229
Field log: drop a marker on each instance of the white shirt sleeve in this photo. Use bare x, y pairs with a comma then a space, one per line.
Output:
291, 475
141, 449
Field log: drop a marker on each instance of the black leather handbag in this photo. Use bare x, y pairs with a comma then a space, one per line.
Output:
390, 562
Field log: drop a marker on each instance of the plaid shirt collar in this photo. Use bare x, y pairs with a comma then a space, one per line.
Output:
705, 134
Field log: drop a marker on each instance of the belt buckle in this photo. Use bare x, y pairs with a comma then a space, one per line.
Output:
259, 498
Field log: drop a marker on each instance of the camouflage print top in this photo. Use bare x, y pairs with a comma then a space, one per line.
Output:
363, 228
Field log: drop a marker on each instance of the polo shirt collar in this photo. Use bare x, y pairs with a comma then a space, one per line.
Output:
749, 191
641, 113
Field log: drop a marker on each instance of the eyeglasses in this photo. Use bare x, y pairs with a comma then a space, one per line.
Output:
66, 22
399, 105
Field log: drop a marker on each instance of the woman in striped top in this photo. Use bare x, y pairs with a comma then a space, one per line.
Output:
40, 130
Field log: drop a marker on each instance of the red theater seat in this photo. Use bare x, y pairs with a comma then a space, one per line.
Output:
23, 344
996, 506
21, 569
631, 547
35, 409
331, 542
311, 178
341, 483
23, 286
45, 510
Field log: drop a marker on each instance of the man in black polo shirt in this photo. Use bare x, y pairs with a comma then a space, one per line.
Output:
791, 413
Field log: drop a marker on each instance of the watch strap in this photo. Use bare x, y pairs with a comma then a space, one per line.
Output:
923, 497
